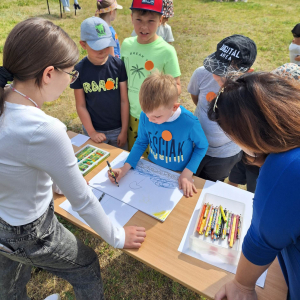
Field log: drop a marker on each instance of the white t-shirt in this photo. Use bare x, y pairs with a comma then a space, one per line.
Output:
165, 31
34, 148
294, 51
203, 84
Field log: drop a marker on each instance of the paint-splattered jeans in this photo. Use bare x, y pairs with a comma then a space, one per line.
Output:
47, 244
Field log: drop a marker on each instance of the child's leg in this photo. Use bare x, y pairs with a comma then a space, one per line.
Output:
47, 244
215, 168
112, 138
133, 126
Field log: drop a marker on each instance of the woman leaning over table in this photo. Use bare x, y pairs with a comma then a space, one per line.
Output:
39, 57
261, 113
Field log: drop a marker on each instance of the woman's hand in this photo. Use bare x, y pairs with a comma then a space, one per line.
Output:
134, 237
235, 291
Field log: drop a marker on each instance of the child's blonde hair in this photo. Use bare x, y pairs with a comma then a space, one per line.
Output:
158, 90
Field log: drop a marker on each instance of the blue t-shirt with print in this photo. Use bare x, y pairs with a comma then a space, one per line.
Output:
102, 91
117, 49
174, 145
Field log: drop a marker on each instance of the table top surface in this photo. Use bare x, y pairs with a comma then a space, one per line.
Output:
159, 251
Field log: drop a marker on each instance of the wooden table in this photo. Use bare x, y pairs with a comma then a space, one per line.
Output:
159, 251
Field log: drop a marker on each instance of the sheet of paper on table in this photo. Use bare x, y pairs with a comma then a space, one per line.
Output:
118, 212
79, 140
220, 189
149, 188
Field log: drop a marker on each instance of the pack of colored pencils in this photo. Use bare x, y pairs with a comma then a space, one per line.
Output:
219, 223
89, 157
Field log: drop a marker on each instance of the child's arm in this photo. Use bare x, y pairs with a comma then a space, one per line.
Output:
86, 118
195, 99
136, 152
297, 58
122, 138
185, 180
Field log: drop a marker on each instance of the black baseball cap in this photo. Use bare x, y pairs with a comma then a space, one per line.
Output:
296, 30
235, 53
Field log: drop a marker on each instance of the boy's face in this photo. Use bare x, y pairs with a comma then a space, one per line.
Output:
162, 114
296, 40
95, 57
145, 26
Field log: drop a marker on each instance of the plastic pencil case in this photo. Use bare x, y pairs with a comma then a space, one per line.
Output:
90, 157
220, 248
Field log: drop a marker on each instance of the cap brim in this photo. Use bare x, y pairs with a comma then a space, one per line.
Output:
119, 6
101, 44
215, 66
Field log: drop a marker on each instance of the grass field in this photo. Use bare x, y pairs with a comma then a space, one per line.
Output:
198, 26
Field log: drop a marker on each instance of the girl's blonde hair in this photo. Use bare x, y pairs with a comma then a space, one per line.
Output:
32, 46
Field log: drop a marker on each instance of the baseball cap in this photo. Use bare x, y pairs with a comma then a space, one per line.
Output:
96, 33
296, 30
151, 5
235, 53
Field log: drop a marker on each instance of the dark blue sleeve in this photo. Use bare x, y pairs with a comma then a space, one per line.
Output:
140, 144
275, 223
198, 137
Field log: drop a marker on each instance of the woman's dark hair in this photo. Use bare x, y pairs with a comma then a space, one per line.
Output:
260, 111
32, 46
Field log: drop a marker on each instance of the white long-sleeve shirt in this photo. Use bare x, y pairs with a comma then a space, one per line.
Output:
34, 148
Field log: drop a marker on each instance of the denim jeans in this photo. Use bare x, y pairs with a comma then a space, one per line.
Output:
47, 244
111, 137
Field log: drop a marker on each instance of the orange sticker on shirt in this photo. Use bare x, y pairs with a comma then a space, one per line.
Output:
166, 135
149, 65
109, 85
210, 96
116, 36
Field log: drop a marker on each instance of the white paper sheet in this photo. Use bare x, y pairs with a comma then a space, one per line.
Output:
79, 140
149, 188
118, 212
223, 190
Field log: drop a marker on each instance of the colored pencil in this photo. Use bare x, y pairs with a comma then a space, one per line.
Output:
201, 217
229, 235
232, 232
223, 214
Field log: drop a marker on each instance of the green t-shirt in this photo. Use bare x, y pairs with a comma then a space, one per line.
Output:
140, 60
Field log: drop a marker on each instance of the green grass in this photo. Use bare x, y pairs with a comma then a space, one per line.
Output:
198, 26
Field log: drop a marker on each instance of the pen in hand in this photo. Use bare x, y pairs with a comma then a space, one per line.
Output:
112, 173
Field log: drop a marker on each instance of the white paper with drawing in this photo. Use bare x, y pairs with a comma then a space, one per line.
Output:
150, 188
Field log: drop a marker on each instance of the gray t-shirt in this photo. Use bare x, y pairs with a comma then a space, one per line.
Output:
203, 84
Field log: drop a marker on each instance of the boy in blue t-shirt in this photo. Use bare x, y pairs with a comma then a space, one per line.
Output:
101, 88
175, 136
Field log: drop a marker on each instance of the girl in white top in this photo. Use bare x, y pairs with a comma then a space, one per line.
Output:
39, 58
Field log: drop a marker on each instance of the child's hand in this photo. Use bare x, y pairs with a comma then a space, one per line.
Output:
119, 173
134, 236
186, 183
122, 139
97, 137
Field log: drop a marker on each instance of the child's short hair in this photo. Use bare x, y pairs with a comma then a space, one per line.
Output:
158, 90
142, 12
